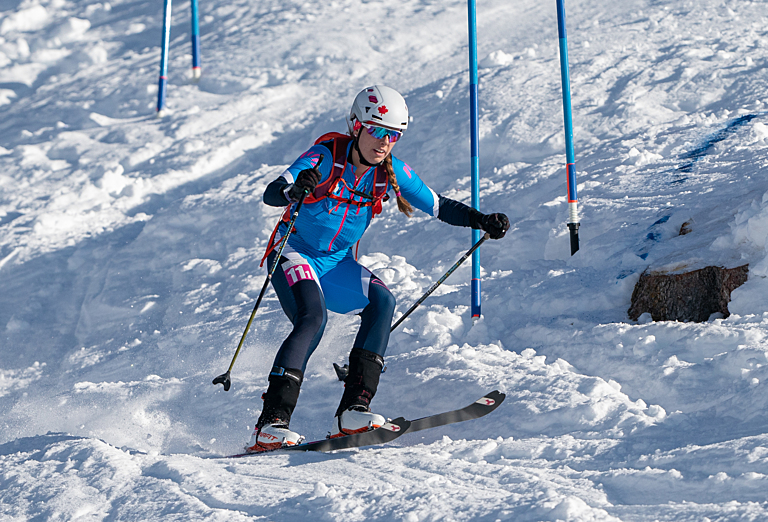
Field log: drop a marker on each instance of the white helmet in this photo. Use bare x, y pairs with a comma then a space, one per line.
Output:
379, 105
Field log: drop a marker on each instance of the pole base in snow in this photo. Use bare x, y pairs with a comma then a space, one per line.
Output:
162, 85
574, 228
197, 72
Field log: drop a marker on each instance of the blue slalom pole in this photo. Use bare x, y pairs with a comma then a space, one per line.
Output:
161, 88
196, 70
570, 158
475, 152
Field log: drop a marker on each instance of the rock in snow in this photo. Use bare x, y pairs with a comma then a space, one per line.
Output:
688, 296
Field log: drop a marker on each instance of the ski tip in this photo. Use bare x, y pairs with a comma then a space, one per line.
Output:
493, 398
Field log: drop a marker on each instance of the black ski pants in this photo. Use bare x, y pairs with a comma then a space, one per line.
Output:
304, 304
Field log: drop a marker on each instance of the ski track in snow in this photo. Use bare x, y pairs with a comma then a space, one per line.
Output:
130, 245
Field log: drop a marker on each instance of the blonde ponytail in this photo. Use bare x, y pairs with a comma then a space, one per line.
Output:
402, 203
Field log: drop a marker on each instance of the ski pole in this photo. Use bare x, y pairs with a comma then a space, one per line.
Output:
440, 281
224, 377
343, 371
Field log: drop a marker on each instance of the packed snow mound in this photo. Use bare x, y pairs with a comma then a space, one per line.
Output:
550, 399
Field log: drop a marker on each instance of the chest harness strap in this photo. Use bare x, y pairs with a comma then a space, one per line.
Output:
337, 143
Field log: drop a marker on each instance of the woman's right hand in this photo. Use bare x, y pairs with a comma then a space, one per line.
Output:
306, 180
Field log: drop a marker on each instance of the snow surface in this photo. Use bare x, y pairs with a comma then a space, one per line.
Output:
129, 252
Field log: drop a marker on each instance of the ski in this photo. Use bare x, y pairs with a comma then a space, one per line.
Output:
477, 409
387, 433
395, 428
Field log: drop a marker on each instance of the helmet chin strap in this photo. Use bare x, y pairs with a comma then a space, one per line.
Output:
360, 154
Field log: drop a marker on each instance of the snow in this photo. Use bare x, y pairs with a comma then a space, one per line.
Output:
130, 245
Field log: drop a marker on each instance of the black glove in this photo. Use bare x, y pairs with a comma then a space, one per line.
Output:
495, 224
306, 180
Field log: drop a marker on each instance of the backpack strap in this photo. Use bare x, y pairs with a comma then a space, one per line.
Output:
337, 144
380, 188
272, 244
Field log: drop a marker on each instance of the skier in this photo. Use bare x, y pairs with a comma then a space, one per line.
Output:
319, 270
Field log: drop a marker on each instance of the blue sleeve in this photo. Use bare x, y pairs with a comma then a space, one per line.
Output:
275, 193
424, 198
414, 189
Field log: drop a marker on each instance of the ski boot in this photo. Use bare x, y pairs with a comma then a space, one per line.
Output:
354, 413
272, 437
271, 431
356, 419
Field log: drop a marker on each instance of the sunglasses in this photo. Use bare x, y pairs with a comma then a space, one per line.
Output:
381, 132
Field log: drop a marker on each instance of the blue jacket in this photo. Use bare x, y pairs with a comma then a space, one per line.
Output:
328, 227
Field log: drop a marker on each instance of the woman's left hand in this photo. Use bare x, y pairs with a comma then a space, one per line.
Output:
495, 224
